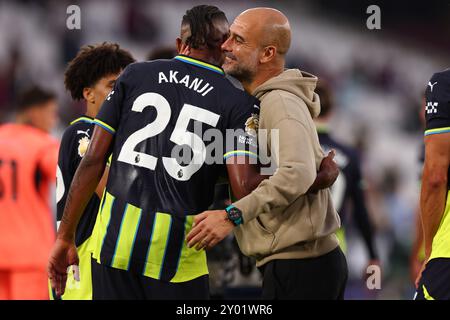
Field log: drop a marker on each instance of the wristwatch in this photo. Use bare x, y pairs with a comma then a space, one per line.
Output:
234, 215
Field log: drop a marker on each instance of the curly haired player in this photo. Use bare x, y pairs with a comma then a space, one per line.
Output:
90, 76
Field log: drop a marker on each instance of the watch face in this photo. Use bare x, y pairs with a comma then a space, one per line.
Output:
234, 214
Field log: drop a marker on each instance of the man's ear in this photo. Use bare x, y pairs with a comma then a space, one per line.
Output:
88, 95
268, 54
179, 43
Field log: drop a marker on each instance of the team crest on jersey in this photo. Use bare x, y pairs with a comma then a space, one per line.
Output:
83, 144
252, 124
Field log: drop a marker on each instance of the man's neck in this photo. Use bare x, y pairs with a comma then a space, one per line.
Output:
261, 77
23, 119
91, 110
204, 56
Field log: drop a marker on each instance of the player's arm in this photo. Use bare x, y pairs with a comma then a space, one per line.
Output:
295, 174
415, 260
85, 182
293, 178
327, 175
437, 151
245, 177
83, 185
437, 154
434, 185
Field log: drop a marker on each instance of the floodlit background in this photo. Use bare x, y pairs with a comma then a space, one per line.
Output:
378, 78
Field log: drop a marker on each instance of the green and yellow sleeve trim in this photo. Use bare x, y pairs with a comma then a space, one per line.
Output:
237, 153
437, 131
200, 63
105, 126
83, 119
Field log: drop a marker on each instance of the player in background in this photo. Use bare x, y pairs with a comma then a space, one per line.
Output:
28, 156
90, 77
434, 280
348, 190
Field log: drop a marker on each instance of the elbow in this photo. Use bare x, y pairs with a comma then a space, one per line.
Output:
91, 160
307, 180
295, 181
435, 180
93, 164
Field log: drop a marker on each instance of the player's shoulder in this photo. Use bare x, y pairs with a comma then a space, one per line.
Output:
79, 125
441, 76
38, 136
135, 72
231, 93
143, 66
439, 82
78, 129
133, 68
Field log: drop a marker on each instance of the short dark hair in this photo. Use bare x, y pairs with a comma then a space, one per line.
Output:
32, 97
200, 20
92, 63
326, 98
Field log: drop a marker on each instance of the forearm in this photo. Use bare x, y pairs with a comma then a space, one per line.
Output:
247, 185
279, 191
418, 237
296, 171
83, 185
432, 205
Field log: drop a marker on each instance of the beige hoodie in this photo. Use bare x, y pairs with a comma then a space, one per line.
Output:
281, 221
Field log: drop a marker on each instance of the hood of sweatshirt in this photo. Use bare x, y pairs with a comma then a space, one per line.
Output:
299, 83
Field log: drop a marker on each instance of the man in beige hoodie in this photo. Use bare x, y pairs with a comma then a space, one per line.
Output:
290, 233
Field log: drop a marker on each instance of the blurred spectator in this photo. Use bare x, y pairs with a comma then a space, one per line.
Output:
28, 158
349, 189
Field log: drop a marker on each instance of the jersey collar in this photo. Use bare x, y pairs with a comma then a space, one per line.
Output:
200, 64
83, 119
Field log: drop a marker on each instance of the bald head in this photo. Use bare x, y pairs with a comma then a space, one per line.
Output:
270, 27
256, 48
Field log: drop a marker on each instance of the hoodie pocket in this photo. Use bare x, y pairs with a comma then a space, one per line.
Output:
267, 235
261, 226
254, 239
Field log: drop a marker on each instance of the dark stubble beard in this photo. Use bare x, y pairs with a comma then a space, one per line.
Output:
241, 73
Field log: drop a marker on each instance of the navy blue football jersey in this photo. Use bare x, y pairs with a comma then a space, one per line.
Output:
437, 109
155, 109
170, 120
348, 190
73, 146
